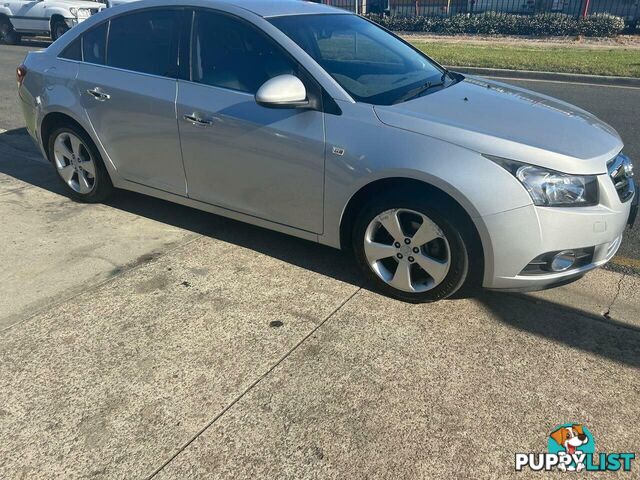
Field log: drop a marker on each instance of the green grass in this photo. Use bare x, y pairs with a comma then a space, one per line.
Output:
595, 61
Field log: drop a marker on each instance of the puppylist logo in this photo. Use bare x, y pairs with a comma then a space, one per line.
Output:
572, 449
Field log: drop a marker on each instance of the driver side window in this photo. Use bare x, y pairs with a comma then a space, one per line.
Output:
228, 53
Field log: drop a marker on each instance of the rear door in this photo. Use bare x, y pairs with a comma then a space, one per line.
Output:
128, 90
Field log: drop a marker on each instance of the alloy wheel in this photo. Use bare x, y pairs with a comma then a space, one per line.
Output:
74, 163
407, 250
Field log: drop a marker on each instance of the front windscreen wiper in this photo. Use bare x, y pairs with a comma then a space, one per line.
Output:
418, 90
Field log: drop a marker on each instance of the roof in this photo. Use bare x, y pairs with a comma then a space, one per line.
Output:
275, 8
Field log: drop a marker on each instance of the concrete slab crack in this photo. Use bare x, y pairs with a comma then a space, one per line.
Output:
254, 384
607, 313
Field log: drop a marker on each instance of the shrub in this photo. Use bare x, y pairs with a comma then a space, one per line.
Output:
554, 24
601, 25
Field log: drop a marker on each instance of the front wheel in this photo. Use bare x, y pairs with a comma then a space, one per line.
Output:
58, 29
412, 249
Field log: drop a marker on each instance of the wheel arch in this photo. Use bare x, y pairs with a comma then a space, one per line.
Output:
57, 16
359, 199
5, 16
52, 120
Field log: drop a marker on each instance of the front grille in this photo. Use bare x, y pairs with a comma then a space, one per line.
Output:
621, 172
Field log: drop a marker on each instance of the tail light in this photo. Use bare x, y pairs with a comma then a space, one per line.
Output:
21, 72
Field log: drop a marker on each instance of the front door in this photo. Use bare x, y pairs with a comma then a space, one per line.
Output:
129, 96
29, 16
268, 163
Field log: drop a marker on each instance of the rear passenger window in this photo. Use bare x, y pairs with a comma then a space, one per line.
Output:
93, 45
145, 42
73, 51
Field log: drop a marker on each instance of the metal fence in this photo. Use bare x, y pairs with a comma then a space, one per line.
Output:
627, 9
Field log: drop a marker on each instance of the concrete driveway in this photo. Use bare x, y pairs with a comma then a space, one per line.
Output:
140, 338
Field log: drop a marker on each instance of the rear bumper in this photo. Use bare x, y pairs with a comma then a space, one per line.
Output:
29, 106
518, 236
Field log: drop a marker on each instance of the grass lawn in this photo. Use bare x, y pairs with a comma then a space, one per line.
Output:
595, 61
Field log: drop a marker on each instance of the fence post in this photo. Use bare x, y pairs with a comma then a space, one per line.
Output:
417, 8
585, 8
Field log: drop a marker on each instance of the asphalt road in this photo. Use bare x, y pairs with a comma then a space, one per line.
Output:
618, 106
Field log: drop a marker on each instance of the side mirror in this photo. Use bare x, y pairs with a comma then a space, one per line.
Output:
283, 91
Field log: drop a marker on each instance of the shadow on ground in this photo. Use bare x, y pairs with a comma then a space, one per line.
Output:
564, 325
608, 338
35, 42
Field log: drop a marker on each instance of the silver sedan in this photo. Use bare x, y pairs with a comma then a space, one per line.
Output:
315, 122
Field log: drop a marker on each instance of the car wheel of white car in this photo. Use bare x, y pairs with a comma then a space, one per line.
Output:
58, 29
79, 165
7, 34
411, 248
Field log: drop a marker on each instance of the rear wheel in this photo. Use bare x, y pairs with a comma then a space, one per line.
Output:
412, 249
7, 34
79, 165
58, 28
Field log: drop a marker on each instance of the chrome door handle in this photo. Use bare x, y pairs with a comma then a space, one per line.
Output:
98, 95
193, 119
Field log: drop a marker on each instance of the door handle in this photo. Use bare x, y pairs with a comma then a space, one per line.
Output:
98, 95
195, 120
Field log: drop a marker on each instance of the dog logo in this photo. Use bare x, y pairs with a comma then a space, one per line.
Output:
571, 448
572, 438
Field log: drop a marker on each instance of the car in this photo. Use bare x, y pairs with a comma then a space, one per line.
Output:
115, 3
52, 18
318, 123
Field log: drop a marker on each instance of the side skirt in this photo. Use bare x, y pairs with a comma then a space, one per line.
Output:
206, 207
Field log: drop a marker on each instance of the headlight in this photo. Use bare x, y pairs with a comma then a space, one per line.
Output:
549, 188
80, 12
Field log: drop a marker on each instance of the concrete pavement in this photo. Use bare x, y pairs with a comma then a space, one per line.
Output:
200, 347
448, 391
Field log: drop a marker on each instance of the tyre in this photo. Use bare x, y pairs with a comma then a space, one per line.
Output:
78, 165
414, 249
58, 28
7, 34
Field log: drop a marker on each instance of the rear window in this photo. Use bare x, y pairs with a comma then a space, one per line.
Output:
145, 42
93, 45
73, 51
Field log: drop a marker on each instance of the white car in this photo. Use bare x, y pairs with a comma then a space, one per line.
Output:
115, 3
53, 18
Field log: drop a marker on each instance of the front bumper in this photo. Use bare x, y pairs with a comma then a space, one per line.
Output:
73, 21
516, 237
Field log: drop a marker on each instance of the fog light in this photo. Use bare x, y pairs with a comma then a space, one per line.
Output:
562, 261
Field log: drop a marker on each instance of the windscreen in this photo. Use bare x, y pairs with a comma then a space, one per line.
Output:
372, 65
